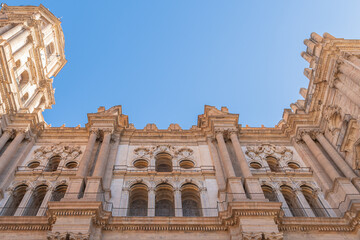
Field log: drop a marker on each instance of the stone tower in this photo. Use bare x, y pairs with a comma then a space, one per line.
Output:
217, 180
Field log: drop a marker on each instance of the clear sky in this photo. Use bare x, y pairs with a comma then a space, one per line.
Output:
163, 60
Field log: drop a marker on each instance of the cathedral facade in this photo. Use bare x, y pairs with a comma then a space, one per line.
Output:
216, 181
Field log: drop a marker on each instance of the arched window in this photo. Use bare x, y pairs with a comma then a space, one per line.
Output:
35, 201
53, 164
59, 192
313, 201
191, 202
14, 201
23, 79
273, 163
164, 200
292, 201
269, 193
163, 162
138, 200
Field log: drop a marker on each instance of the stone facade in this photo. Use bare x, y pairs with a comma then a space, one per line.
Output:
217, 180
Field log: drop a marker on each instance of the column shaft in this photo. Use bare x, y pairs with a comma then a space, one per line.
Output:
218, 168
354, 97
225, 155
124, 203
103, 156
319, 172
240, 155
307, 209
324, 162
4, 138
284, 206
21, 208
10, 151
84, 163
151, 203
44, 203
350, 71
338, 160
178, 203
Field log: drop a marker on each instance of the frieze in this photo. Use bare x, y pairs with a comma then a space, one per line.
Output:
66, 152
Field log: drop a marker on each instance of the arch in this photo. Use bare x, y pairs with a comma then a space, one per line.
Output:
292, 201
14, 201
163, 162
191, 201
273, 163
138, 200
313, 201
59, 192
23, 79
53, 164
269, 193
36, 200
164, 200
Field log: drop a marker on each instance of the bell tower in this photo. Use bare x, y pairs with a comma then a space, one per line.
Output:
32, 53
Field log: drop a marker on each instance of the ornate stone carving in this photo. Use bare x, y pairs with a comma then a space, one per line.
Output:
259, 153
68, 235
252, 236
142, 152
273, 236
334, 118
66, 152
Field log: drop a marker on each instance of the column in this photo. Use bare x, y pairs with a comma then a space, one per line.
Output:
354, 97
178, 203
11, 32
236, 188
84, 163
304, 203
103, 155
355, 60
44, 203
5, 137
124, 202
151, 202
206, 211
218, 168
284, 206
16, 41
21, 52
36, 101
319, 171
326, 205
225, 155
252, 184
240, 155
350, 71
24, 201
11, 150
338, 160
324, 162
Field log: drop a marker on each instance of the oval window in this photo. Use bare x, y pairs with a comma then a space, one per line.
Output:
33, 164
71, 165
186, 164
255, 165
141, 163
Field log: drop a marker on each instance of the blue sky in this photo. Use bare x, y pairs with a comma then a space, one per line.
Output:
163, 60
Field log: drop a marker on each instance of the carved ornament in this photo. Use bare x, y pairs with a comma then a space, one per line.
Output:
66, 152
